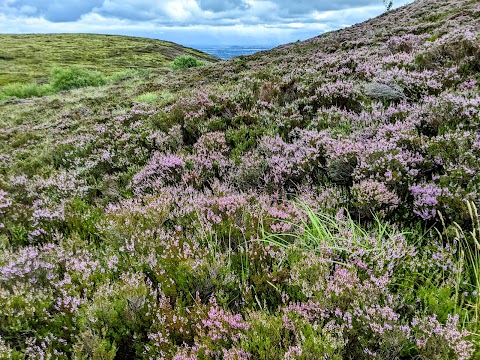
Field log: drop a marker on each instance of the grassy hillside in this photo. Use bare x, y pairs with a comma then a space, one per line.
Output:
26, 58
314, 201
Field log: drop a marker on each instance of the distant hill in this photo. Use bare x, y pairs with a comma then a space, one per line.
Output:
28, 57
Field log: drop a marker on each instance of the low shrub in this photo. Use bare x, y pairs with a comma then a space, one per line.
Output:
186, 62
75, 77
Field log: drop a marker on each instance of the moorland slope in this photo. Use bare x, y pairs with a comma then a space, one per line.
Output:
30, 57
313, 201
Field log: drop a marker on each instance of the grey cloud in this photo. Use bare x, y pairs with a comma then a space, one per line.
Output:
298, 7
142, 10
131, 10
55, 10
222, 6
199, 12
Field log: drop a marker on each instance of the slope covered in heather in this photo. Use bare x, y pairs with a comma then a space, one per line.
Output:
313, 201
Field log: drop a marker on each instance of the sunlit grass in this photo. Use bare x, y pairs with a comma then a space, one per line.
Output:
321, 231
147, 97
27, 58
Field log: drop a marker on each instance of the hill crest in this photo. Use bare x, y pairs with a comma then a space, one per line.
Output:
30, 57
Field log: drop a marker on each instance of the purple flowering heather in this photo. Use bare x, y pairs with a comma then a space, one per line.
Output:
266, 207
374, 196
427, 198
160, 170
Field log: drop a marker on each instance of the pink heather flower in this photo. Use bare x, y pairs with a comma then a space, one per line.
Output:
224, 326
293, 353
426, 199
375, 196
5, 202
429, 328
235, 354
162, 169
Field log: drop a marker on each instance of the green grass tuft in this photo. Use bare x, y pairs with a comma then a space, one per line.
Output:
148, 97
24, 91
61, 79
321, 231
469, 267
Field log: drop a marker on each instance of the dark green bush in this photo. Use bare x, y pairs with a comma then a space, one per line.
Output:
186, 62
75, 77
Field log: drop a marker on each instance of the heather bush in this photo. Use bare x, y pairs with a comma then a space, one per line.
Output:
243, 140
209, 159
459, 47
289, 336
249, 174
342, 94
90, 345
373, 197
405, 43
167, 141
161, 170
5, 203
129, 217
427, 198
441, 341
451, 110
288, 164
5, 351
120, 313
340, 169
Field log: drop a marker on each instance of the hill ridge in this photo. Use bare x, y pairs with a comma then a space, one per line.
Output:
27, 57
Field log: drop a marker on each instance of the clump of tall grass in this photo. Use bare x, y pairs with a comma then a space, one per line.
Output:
468, 278
23, 91
148, 97
318, 232
61, 79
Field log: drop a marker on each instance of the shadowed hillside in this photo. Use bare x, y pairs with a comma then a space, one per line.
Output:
315, 201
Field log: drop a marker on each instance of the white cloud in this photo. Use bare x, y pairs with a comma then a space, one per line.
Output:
181, 9
189, 21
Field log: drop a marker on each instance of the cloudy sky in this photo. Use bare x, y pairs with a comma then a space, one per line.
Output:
190, 22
